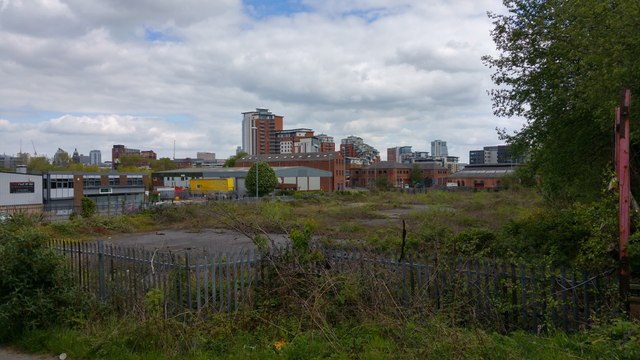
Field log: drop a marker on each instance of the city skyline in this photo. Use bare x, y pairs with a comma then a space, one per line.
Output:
395, 73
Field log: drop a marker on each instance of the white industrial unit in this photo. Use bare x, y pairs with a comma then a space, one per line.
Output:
20, 192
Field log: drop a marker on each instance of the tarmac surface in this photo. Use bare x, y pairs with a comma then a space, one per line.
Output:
213, 241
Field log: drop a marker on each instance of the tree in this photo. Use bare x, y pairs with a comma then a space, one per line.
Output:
416, 175
88, 208
163, 164
382, 183
561, 66
39, 164
267, 180
61, 158
231, 162
132, 162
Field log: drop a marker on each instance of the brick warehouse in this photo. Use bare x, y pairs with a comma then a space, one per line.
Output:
331, 161
398, 175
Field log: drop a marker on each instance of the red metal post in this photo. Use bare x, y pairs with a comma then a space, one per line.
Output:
622, 170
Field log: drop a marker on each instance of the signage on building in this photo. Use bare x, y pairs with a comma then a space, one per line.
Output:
21, 187
105, 191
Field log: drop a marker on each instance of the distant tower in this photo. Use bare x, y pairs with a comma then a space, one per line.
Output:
439, 148
95, 157
259, 131
76, 157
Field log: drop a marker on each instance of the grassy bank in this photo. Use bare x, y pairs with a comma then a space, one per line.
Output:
252, 336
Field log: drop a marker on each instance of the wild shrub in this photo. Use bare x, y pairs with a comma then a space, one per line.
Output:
35, 290
88, 207
581, 235
473, 242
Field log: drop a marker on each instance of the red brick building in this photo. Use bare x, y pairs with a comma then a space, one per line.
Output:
326, 143
398, 175
259, 131
481, 176
332, 162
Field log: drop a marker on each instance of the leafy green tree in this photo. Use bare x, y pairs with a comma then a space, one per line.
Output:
267, 180
561, 65
416, 175
163, 164
61, 158
132, 162
231, 162
83, 167
382, 183
39, 164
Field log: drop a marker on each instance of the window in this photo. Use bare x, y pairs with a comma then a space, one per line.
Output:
62, 183
114, 181
91, 182
134, 181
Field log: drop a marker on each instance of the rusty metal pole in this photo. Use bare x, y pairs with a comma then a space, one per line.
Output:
622, 171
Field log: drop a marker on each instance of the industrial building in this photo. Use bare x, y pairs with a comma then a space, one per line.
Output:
20, 192
332, 162
482, 176
114, 193
232, 180
398, 175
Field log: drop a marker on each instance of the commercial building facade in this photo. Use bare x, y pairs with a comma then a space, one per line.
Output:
114, 193
20, 193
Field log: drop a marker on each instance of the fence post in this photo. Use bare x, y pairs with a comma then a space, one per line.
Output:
101, 269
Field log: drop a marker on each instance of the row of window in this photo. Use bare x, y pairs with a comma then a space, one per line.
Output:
92, 182
61, 183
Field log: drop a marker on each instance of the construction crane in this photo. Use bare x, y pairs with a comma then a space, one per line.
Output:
35, 153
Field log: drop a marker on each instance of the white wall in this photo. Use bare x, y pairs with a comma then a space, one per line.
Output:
27, 198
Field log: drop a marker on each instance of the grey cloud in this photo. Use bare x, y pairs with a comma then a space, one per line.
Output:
414, 73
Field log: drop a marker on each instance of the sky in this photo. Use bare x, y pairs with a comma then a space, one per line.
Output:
148, 74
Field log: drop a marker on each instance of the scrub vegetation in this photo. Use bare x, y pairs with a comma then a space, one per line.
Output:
300, 315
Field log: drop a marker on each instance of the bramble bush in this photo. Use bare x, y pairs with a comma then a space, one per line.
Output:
35, 290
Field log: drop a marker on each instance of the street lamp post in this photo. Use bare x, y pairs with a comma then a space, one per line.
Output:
257, 159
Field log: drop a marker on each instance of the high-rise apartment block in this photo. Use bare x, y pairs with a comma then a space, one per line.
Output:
326, 143
259, 132
296, 141
95, 157
399, 154
439, 148
354, 149
497, 154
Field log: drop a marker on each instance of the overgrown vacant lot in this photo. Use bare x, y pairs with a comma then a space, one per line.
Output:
354, 218
301, 314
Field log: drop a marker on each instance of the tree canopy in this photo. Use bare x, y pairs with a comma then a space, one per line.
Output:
561, 66
267, 180
231, 162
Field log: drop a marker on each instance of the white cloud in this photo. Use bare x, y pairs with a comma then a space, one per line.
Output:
108, 72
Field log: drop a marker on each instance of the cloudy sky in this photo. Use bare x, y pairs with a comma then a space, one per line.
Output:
145, 73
